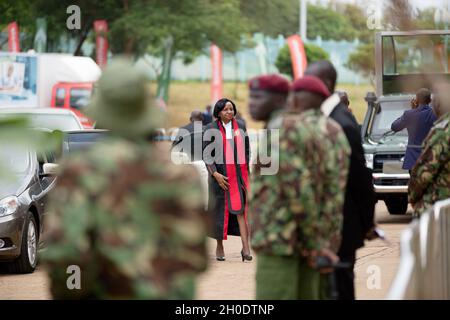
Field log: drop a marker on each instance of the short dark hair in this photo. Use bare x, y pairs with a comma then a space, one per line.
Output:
324, 70
423, 95
220, 105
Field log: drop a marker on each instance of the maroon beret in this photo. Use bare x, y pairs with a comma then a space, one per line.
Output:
270, 82
311, 84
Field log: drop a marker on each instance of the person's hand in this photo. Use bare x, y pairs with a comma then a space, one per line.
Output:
221, 180
327, 253
414, 103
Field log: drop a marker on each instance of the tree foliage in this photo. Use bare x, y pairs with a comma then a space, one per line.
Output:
313, 53
139, 25
363, 60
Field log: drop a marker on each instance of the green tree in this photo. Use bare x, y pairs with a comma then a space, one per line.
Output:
271, 17
139, 26
328, 24
313, 53
274, 17
363, 60
19, 11
357, 18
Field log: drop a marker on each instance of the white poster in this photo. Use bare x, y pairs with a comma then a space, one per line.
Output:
18, 77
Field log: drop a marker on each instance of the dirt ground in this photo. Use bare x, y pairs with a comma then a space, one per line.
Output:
234, 279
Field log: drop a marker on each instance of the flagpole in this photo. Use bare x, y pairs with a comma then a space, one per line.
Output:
302, 19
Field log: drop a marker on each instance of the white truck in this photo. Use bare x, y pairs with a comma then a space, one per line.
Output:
47, 80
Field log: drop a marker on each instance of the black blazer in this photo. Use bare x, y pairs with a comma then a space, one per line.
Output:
359, 203
194, 138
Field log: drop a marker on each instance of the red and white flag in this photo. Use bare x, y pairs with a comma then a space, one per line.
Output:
298, 55
216, 79
101, 42
13, 37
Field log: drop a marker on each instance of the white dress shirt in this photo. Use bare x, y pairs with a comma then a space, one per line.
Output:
228, 130
329, 104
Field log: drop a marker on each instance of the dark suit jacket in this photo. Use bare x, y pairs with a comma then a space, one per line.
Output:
188, 138
207, 118
359, 203
418, 122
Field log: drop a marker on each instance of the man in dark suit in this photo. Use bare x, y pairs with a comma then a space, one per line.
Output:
207, 116
359, 203
418, 121
191, 137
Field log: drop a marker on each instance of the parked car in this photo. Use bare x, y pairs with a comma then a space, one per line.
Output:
46, 118
23, 194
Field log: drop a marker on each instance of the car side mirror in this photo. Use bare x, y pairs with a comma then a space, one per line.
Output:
49, 169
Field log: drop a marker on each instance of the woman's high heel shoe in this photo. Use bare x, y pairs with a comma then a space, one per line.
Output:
220, 258
246, 257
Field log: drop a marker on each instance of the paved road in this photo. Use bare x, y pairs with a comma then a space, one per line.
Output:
375, 269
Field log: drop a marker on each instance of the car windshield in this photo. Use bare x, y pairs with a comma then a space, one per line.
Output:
389, 112
63, 122
79, 97
14, 159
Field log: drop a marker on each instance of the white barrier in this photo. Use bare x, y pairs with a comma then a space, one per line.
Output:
424, 269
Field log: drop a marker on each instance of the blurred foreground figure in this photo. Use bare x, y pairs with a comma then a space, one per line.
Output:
267, 101
430, 177
298, 213
121, 212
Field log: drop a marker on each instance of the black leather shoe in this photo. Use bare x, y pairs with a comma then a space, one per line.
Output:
246, 257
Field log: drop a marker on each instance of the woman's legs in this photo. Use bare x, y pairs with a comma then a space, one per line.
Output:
219, 249
244, 233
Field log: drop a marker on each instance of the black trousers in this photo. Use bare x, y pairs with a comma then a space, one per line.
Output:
345, 278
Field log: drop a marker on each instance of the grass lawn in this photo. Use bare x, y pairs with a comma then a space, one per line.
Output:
187, 96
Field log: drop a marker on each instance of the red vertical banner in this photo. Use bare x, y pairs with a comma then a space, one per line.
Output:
13, 37
298, 55
101, 42
216, 79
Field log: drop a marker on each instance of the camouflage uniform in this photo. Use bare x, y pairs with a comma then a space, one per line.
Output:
300, 208
128, 218
430, 177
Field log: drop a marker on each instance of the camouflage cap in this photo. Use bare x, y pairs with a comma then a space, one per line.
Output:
122, 101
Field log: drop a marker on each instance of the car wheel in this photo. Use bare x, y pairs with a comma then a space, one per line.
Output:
27, 261
397, 205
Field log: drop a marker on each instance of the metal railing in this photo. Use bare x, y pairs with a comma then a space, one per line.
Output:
424, 269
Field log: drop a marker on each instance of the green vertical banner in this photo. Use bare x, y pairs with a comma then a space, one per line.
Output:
40, 39
162, 94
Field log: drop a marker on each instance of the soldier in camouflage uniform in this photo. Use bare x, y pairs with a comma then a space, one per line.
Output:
121, 211
430, 176
297, 214
267, 100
